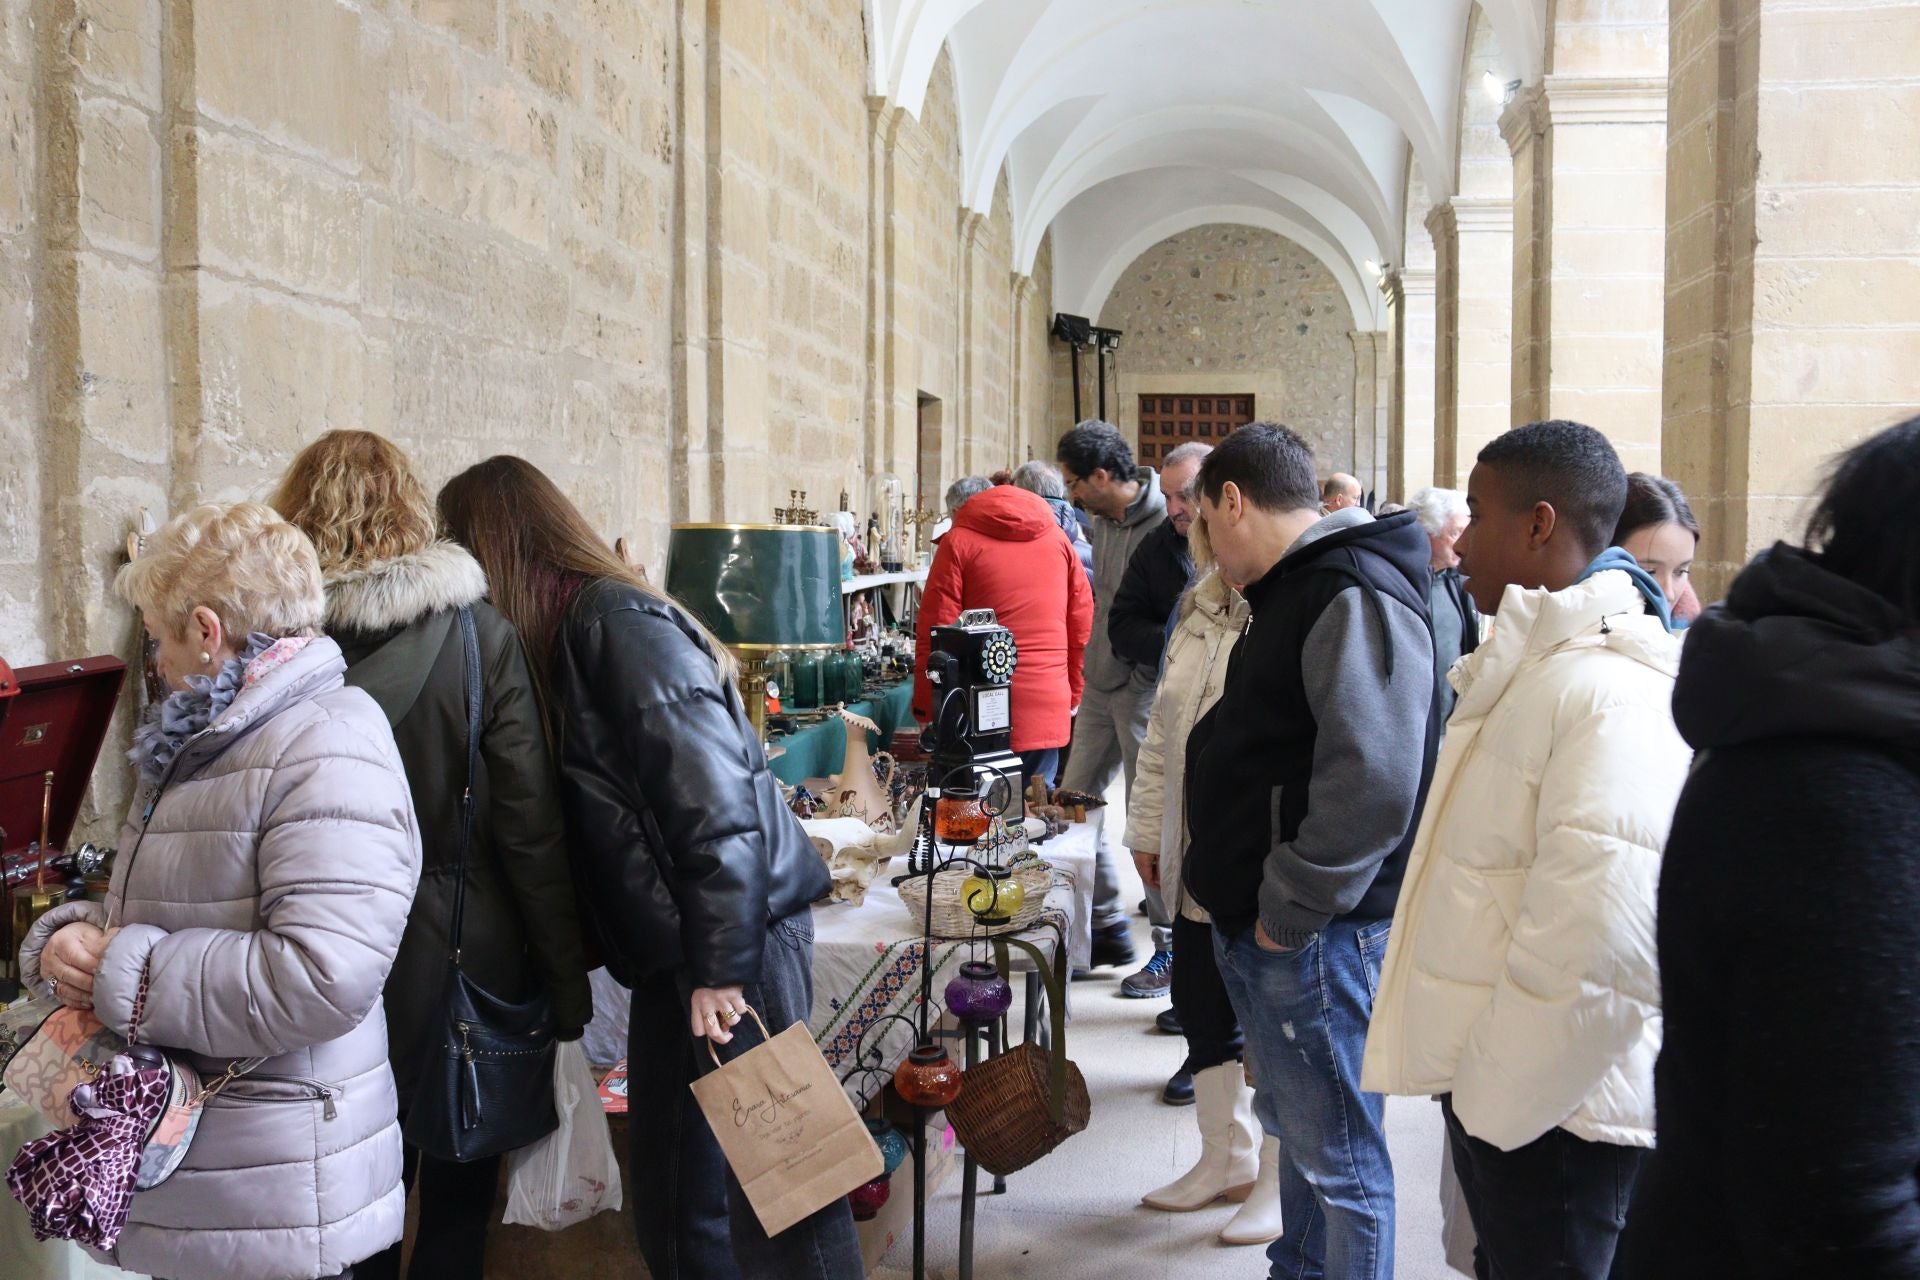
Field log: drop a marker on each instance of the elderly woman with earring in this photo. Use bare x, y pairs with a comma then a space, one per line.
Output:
255, 908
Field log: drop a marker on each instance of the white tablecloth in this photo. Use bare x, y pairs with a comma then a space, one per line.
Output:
21, 1256
867, 961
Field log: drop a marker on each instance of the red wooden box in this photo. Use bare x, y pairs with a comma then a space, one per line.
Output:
53, 718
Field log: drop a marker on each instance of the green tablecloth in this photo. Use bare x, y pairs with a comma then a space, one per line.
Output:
818, 750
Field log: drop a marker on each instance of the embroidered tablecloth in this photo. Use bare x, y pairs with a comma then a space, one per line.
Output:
867, 959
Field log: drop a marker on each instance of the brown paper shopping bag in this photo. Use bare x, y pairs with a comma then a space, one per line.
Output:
788, 1130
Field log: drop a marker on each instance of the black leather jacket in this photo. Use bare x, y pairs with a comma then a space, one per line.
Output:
685, 851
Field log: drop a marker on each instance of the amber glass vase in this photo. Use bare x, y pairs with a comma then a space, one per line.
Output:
928, 1078
960, 817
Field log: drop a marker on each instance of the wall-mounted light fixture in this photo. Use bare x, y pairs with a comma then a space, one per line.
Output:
1498, 90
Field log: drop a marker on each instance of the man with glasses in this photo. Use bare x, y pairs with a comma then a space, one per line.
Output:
1127, 505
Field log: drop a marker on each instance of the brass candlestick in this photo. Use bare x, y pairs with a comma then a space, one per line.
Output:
31, 901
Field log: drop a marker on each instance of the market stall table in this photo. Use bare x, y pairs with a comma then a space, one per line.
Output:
866, 960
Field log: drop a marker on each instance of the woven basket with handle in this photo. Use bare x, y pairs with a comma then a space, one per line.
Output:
1019, 1106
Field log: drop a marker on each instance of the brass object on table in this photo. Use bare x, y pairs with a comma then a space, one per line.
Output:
31, 901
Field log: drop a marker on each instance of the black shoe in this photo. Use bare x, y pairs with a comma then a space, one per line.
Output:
1169, 1023
1113, 945
1179, 1090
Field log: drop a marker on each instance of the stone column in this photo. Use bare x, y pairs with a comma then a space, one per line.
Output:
969, 336
1364, 357
1409, 451
1589, 175
1793, 227
890, 437
692, 461
1024, 428
1372, 405
738, 50
1473, 255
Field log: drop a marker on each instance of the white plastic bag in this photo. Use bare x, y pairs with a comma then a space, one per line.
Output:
571, 1174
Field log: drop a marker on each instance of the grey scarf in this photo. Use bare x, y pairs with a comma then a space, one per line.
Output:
187, 711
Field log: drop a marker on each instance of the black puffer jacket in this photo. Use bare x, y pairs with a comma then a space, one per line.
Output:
685, 850
1788, 1085
397, 625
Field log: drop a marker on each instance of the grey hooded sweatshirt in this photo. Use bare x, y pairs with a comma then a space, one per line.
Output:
1114, 542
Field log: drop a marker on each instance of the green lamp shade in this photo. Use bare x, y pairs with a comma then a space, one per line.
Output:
760, 586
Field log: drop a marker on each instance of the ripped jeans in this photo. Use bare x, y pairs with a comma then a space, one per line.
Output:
1305, 1016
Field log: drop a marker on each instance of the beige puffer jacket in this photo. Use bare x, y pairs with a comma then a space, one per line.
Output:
264, 888
1212, 617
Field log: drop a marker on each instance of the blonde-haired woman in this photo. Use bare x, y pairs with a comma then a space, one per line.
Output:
699, 880
394, 596
1235, 1163
258, 900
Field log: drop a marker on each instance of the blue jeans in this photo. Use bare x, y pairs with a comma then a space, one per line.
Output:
694, 1220
1305, 1017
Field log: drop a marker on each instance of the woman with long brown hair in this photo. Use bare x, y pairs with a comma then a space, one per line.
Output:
394, 596
698, 879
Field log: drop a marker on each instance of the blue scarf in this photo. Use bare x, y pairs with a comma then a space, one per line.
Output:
1619, 558
187, 711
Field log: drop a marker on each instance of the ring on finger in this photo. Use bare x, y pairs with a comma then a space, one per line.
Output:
733, 1016
53, 986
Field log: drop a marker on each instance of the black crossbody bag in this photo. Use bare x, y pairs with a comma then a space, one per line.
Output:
486, 1087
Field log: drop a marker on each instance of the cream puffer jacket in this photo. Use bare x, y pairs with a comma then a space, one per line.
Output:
1522, 975
1212, 616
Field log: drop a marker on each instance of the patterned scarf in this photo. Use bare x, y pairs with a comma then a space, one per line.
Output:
187, 711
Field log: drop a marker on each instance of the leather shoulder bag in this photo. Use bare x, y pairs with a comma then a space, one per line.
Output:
486, 1084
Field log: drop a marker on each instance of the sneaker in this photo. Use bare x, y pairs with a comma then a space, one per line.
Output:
1179, 1090
1169, 1023
1153, 981
1113, 945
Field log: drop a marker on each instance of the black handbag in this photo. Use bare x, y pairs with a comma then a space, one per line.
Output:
486, 1087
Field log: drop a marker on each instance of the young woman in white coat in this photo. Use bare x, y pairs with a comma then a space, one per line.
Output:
1235, 1163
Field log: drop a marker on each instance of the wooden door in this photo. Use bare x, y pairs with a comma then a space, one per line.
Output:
1166, 422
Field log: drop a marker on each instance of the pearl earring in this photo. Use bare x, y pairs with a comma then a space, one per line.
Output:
205, 658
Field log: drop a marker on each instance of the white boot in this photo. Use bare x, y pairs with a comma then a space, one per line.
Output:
1228, 1161
1258, 1220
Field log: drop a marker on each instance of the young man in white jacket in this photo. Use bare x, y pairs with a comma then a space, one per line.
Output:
1521, 980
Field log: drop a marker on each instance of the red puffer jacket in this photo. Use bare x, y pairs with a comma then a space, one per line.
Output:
1005, 552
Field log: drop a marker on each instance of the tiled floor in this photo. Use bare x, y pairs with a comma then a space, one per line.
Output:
1076, 1215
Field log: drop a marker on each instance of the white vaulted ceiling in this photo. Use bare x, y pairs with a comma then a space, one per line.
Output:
1121, 122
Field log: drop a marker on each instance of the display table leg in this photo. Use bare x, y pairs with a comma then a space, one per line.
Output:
919, 1194
1031, 1014
969, 1175
996, 1038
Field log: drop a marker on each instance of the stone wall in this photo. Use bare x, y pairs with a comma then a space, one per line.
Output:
1238, 309
1793, 228
649, 244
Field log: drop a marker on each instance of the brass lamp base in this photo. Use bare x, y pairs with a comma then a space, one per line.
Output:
754, 671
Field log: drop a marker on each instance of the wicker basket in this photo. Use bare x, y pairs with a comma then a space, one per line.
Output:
952, 919
1020, 1105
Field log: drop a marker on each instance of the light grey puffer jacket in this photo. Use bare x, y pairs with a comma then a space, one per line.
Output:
264, 884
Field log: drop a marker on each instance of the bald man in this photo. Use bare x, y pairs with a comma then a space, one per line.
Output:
1339, 492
